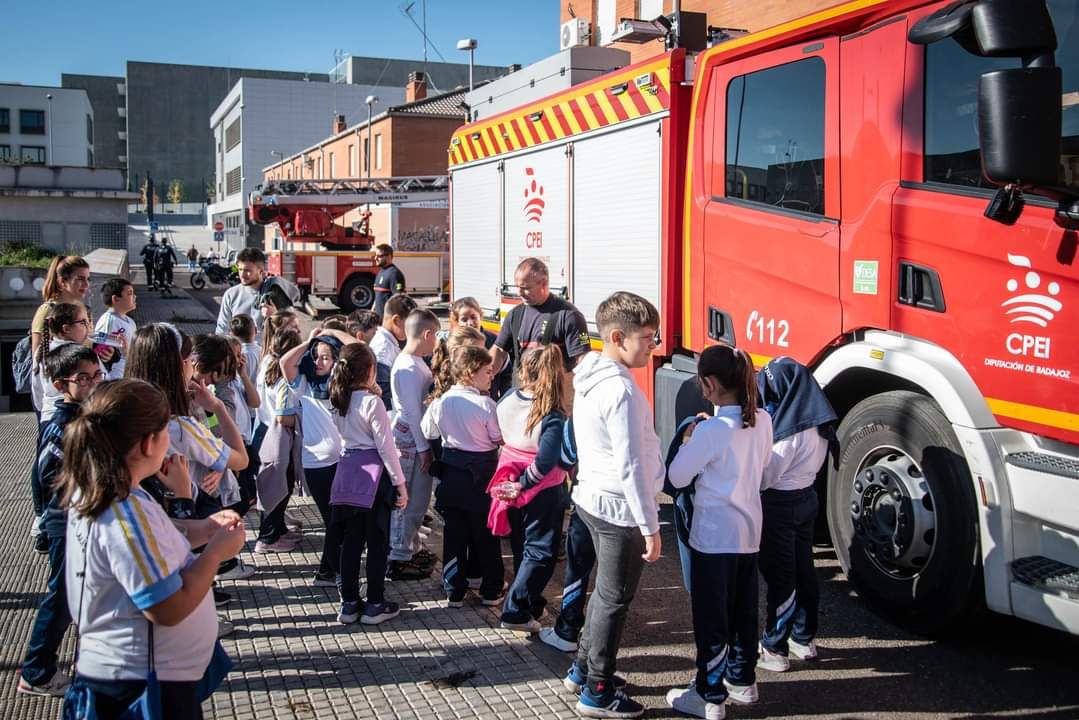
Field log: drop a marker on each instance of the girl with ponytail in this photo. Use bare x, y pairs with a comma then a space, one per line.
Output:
724, 457
528, 488
131, 578
66, 281
367, 483
441, 367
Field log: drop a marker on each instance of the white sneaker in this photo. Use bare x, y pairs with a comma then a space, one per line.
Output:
35, 528
771, 661
56, 686
550, 637
687, 700
803, 652
742, 694
240, 571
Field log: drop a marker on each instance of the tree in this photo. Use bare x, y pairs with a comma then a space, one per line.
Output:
176, 191
142, 194
211, 192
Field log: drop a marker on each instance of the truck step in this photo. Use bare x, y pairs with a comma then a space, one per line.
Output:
316, 305
1045, 574
1045, 463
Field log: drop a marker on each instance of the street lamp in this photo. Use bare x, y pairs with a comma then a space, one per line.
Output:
371, 100
48, 129
470, 45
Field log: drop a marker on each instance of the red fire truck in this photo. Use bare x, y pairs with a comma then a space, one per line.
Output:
330, 261
882, 190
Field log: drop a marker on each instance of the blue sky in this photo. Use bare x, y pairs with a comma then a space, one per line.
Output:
44, 38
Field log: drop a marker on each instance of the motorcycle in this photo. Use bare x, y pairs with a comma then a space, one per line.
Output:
210, 270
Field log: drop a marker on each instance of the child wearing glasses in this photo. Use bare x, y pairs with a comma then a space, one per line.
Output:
73, 370
67, 323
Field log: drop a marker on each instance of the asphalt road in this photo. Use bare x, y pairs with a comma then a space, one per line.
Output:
868, 667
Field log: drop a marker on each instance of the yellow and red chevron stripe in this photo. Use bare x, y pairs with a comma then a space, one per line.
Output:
614, 98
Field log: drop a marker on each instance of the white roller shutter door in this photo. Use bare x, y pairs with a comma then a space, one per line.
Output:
616, 217
476, 233
537, 213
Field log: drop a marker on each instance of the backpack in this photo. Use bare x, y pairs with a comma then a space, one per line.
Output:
22, 365
281, 288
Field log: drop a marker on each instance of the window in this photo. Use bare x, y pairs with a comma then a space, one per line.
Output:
232, 135
333, 166
232, 181
606, 21
32, 154
89, 158
89, 130
32, 122
951, 152
320, 175
649, 9
378, 152
352, 160
5, 120
366, 156
5, 153
775, 136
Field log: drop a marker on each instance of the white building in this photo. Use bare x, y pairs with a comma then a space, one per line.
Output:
46, 126
262, 121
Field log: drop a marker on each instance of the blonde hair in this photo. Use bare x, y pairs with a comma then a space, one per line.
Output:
441, 365
541, 372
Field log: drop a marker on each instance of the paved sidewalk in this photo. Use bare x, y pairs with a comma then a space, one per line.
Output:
292, 658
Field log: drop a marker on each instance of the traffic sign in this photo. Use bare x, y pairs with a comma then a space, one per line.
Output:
219, 226
219, 236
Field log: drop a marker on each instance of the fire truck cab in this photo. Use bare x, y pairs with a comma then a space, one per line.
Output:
885, 191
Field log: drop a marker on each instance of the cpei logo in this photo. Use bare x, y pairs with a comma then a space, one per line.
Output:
1030, 305
534, 203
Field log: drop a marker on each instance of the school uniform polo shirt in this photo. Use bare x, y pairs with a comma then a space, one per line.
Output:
133, 555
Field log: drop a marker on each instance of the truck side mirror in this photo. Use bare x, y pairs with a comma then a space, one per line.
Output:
1019, 123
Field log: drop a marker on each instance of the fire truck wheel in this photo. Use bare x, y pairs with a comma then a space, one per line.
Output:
198, 280
358, 293
902, 513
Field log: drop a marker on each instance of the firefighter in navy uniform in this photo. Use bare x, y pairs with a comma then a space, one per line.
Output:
389, 281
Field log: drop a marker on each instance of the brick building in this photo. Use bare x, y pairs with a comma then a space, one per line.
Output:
407, 140
603, 16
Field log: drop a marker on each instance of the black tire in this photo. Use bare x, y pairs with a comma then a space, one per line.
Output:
198, 280
358, 293
929, 595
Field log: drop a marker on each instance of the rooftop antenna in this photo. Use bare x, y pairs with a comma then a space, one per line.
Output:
407, 10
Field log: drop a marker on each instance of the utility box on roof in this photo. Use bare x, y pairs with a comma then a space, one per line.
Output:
548, 76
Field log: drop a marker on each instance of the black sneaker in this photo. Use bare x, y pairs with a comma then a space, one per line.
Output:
221, 598
424, 558
406, 570
41, 543
456, 599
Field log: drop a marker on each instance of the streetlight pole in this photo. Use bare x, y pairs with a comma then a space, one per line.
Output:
469, 44
48, 128
371, 100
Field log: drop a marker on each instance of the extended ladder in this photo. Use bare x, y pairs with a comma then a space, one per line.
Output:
354, 191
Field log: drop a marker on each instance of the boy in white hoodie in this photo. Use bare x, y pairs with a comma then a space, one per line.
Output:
620, 472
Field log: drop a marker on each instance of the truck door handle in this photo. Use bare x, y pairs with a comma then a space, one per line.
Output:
814, 233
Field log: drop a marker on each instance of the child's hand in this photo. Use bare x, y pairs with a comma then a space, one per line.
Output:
224, 518
105, 352
210, 483
508, 491
374, 389
241, 362
652, 547
175, 476
228, 541
201, 395
402, 497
